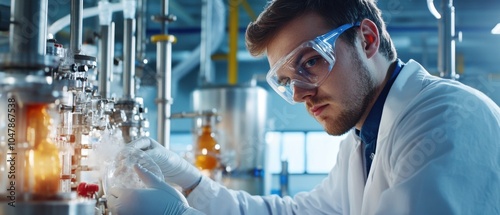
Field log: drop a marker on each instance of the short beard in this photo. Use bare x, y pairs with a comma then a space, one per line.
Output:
356, 106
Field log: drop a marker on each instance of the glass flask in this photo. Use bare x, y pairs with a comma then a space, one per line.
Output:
207, 149
43, 166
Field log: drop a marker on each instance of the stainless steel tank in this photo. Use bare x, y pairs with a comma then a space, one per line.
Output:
241, 132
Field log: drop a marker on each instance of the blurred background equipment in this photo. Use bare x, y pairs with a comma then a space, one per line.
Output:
241, 132
79, 79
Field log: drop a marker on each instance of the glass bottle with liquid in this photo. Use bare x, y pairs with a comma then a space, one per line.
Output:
46, 164
207, 149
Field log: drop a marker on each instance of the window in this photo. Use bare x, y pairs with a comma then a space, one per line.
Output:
321, 151
307, 152
313, 152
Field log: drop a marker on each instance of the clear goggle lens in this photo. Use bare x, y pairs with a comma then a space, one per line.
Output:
306, 67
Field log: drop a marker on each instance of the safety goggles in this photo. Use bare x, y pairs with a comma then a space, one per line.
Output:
307, 66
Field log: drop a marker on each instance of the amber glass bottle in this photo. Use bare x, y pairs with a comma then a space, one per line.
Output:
44, 165
207, 150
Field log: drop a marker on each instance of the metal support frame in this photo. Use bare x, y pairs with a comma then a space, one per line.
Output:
164, 73
164, 101
129, 59
26, 78
205, 76
141, 29
447, 37
106, 49
76, 26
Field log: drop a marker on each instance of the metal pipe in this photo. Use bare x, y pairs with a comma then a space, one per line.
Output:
106, 49
206, 42
164, 72
28, 26
141, 29
24, 65
164, 13
129, 58
284, 178
432, 9
76, 26
164, 68
446, 53
87, 13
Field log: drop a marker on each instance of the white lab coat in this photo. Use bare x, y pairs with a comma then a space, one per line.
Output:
438, 152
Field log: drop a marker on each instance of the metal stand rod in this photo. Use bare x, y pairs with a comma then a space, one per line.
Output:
205, 47
28, 27
27, 56
164, 65
76, 20
164, 13
129, 59
141, 29
446, 54
106, 50
164, 71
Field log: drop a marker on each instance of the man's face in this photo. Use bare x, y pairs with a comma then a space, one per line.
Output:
342, 99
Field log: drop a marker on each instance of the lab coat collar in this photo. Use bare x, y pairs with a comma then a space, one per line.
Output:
369, 131
404, 89
402, 92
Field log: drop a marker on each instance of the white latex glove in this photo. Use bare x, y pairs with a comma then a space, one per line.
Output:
160, 198
175, 169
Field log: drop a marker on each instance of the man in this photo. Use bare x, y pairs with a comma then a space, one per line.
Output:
417, 144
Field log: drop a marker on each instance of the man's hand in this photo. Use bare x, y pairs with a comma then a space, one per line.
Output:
159, 198
174, 168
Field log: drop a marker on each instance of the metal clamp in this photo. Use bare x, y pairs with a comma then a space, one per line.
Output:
164, 101
163, 37
164, 18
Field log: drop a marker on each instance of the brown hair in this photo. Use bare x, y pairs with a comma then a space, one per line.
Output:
335, 13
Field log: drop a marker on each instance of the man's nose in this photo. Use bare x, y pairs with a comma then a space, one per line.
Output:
301, 94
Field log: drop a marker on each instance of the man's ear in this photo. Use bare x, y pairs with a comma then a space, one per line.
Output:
370, 37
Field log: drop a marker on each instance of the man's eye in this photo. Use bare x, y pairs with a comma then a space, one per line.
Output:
310, 63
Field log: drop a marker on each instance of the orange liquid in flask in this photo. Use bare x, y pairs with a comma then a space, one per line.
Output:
44, 162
